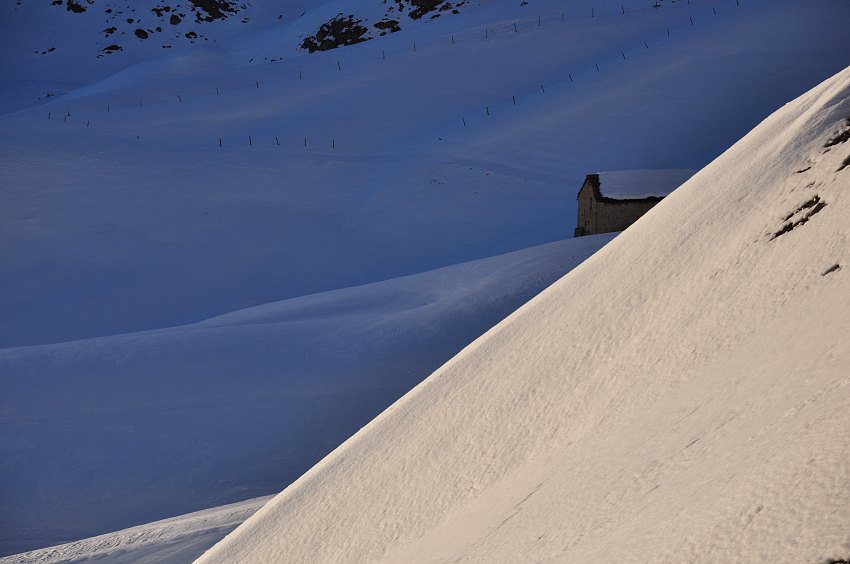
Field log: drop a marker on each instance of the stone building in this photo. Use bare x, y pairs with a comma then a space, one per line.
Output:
611, 201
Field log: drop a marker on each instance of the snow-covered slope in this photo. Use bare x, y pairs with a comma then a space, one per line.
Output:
683, 395
52, 47
158, 188
107, 433
179, 539
122, 208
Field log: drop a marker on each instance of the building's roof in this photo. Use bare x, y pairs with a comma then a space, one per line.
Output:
637, 184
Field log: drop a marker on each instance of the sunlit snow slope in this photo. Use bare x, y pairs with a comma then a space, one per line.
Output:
681, 396
160, 196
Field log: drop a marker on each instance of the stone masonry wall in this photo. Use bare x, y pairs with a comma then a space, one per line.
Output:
618, 216
598, 214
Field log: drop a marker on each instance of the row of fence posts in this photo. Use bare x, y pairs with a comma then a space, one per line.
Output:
486, 32
67, 113
569, 75
276, 142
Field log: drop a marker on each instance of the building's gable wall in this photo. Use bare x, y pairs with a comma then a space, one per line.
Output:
598, 214
586, 223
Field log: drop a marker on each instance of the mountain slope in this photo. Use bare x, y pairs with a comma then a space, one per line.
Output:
122, 213
179, 539
107, 433
682, 395
159, 188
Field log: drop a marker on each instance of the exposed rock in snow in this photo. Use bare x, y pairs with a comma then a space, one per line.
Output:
338, 31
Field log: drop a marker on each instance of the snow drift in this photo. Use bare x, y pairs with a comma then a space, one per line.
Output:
106, 433
682, 395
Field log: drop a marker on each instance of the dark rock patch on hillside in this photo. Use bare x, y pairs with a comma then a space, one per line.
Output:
419, 8
160, 10
801, 215
347, 30
209, 10
75, 6
125, 21
840, 137
339, 31
422, 7
387, 25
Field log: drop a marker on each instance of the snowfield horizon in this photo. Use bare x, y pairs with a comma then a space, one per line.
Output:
231, 245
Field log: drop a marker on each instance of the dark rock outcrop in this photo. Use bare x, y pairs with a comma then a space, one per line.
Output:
339, 31
387, 25
209, 10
